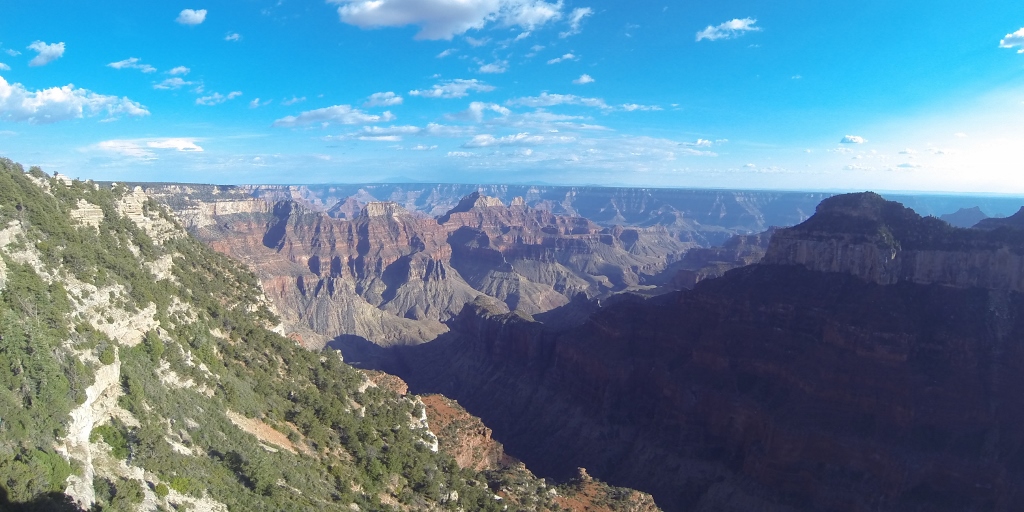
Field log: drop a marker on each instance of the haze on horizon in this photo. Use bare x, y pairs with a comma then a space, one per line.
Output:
797, 95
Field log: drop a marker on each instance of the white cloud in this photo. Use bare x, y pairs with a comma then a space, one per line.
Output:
518, 139
631, 107
340, 114
422, 147
443, 19
477, 109
172, 83
60, 104
142, 148
234, 36
495, 67
180, 70
191, 17
460, 154
183, 145
256, 103
217, 98
908, 151
852, 139
458, 88
12, 52
381, 138
576, 20
1013, 40
567, 56
383, 99
728, 30
446, 53
476, 43
584, 79
132, 63
521, 36
549, 100
960, 135
47, 53
909, 166
4, 67
293, 100
700, 143
441, 130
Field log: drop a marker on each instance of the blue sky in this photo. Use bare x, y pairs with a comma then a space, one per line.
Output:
880, 95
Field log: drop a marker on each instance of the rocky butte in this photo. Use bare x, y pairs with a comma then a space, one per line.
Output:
871, 361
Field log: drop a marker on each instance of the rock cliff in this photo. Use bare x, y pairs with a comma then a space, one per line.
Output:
886, 243
394, 276
825, 377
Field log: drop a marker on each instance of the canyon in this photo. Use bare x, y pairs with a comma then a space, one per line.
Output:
863, 359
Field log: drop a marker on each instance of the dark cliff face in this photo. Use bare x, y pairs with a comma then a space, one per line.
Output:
775, 387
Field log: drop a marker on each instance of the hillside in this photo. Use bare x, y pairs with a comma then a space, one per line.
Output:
148, 373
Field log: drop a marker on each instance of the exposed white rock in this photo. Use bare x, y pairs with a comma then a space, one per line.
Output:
87, 213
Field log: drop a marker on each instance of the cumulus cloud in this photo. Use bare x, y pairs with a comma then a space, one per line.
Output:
339, 114
728, 30
584, 79
477, 109
379, 133
1013, 40
458, 88
142, 148
495, 67
383, 99
460, 154
446, 53
234, 36
576, 21
172, 83
4, 67
191, 17
565, 57
852, 139
132, 63
443, 19
180, 70
45, 53
217, 98
60, 104
441, 130
549, 100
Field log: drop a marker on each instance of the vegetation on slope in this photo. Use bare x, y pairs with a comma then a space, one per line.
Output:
209, 352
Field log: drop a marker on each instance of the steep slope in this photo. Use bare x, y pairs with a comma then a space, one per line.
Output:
393, 277
871, 361
146, 374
